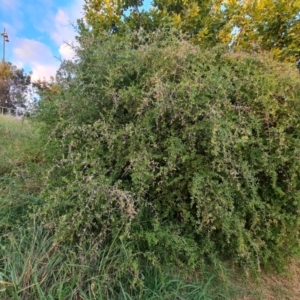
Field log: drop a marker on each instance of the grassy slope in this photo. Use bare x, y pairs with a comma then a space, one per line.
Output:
14, 135
33, 267
20, 175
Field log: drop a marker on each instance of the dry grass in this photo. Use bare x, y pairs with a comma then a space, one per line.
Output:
284, 286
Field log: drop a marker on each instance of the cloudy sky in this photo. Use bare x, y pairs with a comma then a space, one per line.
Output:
38, 31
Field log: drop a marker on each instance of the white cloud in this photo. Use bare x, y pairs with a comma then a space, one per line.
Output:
51, 22
43, 71
66, 52
63, 28
60, 27
62, 17
31, 50
38, 56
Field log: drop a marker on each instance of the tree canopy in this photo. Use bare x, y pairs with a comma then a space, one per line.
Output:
272, 25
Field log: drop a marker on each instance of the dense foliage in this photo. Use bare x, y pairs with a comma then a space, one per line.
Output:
269, 25
160, 156
34, 266
180, 152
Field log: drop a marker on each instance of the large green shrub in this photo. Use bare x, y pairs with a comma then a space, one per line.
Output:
187, 153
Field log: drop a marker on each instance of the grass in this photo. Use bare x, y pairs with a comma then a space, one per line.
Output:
20, 170
15, 143
34, 266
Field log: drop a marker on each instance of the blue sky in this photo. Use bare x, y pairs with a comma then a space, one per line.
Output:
38, 30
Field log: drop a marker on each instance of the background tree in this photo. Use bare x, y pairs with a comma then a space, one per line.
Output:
4, 86
109, 14
14, 85
269, 25
113, 15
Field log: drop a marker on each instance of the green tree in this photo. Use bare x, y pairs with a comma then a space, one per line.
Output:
14, 85
269, 25
5, 74
109, 14
115, 14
